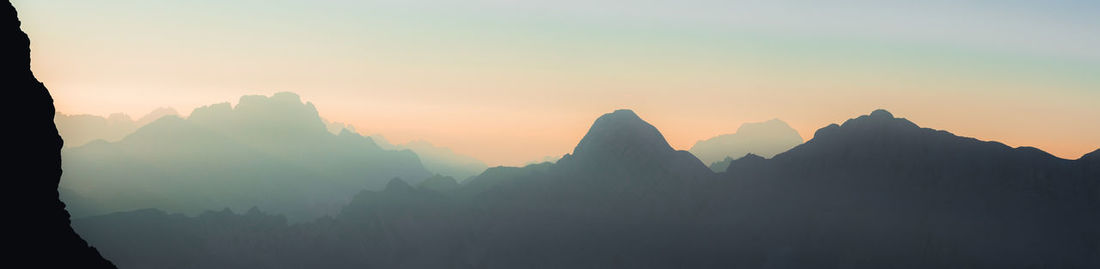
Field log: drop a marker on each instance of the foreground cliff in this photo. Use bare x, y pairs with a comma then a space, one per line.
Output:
37, 233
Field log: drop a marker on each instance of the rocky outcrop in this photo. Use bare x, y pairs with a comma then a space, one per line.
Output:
37, 225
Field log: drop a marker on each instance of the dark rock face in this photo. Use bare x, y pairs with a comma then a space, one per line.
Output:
39, 235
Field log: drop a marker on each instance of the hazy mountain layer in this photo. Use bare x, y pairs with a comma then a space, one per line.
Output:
439, 160
272, 152
78, 130
874, 192
764, 139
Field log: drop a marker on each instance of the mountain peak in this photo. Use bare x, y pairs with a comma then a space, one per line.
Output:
621, 142
879, 121
868, 138
281, 114
881, 114
619, 134
749, 161
398, 185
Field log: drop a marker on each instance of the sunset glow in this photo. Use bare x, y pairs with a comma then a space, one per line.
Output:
510, 83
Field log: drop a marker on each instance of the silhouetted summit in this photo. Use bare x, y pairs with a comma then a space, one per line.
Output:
880, 137
621, 134
36, 226
622, 144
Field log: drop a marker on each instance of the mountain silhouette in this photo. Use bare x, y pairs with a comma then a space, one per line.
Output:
874, 192
765, 139
78, 130
272, 152
37, 232
436, 159
445, 161
622, 145
891, 192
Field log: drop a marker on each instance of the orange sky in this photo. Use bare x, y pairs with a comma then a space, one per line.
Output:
510, 84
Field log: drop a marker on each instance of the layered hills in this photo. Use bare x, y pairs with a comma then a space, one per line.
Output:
874, 192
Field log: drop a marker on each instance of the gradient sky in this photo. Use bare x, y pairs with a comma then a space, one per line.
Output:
513, 81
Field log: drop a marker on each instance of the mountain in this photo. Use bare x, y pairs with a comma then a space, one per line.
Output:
880, 191
874, 192
81, 129
439, 160
336, 127
400, 226
444, 161
440, 183
272, 152
765, 139
622, 145
36, 232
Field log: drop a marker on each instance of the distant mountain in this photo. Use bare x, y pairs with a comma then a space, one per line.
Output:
336, 127
272, 152
439, 160
81, 129
874, 192
765, 139
444, 161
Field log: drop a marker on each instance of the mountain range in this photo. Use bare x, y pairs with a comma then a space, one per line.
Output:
874, 192
81, 129
273, 152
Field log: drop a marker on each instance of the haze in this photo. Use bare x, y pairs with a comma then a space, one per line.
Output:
511, 82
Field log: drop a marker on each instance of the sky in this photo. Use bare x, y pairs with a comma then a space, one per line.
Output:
509, 82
